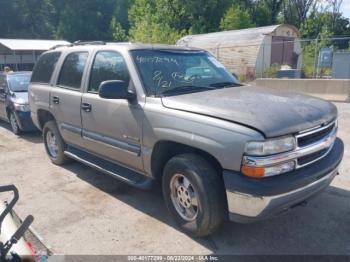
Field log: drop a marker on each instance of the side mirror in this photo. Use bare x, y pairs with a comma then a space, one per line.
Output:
115, 89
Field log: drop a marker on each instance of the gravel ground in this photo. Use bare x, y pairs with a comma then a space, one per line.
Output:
78, 210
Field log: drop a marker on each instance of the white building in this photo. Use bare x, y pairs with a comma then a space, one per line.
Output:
21, 54
250, 52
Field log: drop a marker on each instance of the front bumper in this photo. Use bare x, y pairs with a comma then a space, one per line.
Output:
251, 199
25, 122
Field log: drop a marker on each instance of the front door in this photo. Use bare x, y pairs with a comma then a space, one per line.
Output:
3, 91
282, 51
111, 127
66, 97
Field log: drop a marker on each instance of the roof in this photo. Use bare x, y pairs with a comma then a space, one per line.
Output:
130, 46
28, 44
243, 36
138, 46
16, 73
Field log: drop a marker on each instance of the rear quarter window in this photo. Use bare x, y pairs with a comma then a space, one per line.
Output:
44, 67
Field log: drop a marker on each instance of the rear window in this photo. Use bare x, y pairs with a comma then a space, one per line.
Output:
72, 70
44, 67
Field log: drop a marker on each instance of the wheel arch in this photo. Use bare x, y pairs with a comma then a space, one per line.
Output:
164, 150
43, 117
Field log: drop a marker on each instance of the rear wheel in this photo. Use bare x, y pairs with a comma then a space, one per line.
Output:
54, 144
194, 194
14, 124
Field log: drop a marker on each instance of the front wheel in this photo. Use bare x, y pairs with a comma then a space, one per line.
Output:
194, 194
54, 144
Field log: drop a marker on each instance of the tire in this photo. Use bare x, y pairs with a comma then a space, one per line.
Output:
208, 209
54, 148
14, 124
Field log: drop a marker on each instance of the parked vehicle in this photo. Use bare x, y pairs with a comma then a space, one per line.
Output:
152, 113
14, 107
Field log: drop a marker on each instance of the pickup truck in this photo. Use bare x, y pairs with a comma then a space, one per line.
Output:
174, 118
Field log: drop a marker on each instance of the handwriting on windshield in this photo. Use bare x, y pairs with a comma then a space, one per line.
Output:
180, 77
155, 60
158, 78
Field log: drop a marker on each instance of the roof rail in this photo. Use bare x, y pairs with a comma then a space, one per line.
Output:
79, 42
58, 46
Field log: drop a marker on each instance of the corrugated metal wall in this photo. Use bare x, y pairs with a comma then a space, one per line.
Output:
245, 52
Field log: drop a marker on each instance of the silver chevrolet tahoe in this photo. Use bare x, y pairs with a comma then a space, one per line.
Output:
175, 118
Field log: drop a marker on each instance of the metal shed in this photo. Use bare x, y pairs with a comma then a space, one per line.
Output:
21, 54
250, 52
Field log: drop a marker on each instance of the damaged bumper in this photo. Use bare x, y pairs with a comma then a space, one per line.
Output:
251, 199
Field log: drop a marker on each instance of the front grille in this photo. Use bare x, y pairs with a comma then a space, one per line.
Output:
312, 157
315, 136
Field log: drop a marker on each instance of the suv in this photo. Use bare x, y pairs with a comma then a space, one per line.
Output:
174, 117
14, 107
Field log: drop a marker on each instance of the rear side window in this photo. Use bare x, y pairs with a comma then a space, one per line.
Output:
44, 67
72, 70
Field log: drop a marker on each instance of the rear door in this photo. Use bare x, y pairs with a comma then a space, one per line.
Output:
111, 127
66, 96
3, 91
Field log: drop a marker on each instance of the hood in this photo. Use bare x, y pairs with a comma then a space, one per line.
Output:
272, 112
20, 97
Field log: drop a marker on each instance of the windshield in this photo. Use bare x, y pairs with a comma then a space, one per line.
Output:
19, 83
171, 72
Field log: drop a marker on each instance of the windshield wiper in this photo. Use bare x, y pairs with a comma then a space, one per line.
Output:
224, 84
185, 89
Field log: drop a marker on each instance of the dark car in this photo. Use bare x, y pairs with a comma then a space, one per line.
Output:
14, 107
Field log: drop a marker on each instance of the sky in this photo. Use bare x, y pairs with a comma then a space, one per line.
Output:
346, 8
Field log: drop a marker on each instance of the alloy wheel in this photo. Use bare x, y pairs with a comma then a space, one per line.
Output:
184, 197
52, 145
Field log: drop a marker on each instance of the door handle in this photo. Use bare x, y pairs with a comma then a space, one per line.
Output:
86, 107
55, 100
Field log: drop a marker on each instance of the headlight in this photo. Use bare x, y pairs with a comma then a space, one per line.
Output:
270, 147
22, 107
266, 148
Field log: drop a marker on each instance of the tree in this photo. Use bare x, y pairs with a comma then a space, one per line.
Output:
275, 8
86, 20
236, 18
260, 13
117, 31
334, 6
26, 19
148, 23
295, 11
121, 13
318, 22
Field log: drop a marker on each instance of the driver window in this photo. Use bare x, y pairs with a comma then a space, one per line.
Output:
107, 65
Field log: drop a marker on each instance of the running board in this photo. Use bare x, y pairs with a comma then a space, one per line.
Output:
124, 174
